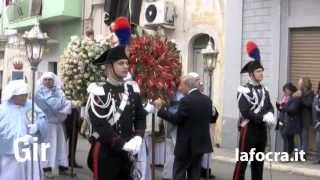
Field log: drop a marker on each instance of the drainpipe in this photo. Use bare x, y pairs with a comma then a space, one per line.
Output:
82, 17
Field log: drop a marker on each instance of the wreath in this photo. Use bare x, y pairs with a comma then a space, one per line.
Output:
77, 69
155, 64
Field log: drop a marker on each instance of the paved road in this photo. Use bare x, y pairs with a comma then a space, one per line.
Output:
222, 170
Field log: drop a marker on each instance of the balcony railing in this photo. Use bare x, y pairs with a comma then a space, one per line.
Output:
22, 13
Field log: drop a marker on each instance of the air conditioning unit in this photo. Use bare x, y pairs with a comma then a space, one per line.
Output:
158, 13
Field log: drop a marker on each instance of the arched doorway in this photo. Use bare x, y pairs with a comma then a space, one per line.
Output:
200, 42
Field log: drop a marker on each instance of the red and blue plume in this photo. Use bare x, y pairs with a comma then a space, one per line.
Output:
253, 50
122, 30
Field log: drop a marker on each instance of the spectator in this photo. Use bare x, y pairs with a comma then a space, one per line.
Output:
316, 110
307, 96
289, 116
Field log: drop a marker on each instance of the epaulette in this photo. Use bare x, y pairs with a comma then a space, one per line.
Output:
243, 89
96, 89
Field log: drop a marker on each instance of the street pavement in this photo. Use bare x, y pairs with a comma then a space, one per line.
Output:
222, 169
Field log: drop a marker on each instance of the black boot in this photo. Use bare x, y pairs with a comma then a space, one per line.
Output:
204, 173
63, 170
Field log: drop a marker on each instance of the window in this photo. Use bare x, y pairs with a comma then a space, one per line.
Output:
53, 67
36, 7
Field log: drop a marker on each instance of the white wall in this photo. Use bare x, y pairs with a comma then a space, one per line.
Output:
257, 20
261, 23
233, 47
304, 13
202, 17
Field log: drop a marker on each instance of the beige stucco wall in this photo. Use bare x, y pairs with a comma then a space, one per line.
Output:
202, 17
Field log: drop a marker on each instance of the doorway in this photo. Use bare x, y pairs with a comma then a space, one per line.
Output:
197, 64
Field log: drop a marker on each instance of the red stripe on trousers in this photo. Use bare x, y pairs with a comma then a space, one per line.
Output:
243, 142
96, 153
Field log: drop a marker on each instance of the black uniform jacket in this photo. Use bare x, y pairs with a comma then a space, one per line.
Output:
131, 123
193, 121
255, 119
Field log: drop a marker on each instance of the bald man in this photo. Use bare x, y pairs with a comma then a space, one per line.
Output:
193, 129
206, 159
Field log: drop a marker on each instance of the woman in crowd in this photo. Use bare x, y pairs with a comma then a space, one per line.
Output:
316, 113
307, 96
289, 116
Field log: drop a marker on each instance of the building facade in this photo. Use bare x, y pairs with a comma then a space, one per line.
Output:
287, 33
60, 19
195, 21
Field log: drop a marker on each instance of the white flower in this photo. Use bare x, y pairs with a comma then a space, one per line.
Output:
74, 38
91, 54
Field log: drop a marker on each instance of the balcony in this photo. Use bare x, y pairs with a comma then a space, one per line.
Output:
23, 13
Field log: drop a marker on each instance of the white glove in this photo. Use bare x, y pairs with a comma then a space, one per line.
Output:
269, 119
150, 108
133, 145
32, 128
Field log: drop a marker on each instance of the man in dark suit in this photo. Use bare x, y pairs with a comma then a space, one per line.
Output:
193, 135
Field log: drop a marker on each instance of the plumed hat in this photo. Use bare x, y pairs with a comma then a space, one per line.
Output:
253, 52
123, 31
112, 55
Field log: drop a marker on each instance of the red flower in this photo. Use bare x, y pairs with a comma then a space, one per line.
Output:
154, 62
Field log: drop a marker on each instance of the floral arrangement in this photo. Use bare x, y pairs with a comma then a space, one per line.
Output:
155, 64
77, 69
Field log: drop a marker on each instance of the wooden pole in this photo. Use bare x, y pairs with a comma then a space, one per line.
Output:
153, 143
73, 139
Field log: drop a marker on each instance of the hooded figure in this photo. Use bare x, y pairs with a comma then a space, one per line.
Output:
116, 115
16, 126
51, 99
256, 113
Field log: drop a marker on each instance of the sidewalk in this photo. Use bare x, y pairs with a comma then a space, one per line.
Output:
302, 168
